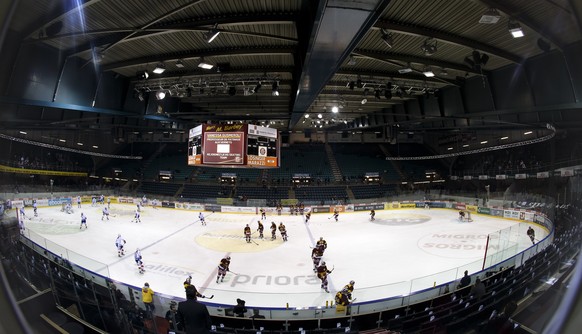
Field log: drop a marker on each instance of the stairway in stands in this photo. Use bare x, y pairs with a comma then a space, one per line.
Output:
153, 157
395, 163
350, 193
337, 173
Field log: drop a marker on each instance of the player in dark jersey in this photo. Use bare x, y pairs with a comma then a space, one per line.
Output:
283, 231
322, 273
307, 217
223, 267
335, 215
372, 215
260, 229
531, 233
273, 231
316, 254
247, 232
263, 214
322, 244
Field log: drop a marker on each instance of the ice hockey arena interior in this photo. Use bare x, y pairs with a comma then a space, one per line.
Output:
296, 166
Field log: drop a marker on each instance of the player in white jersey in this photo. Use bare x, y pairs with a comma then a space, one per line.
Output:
83, 221
202, 220
22, 213
119, 243
138, 261
94, 201
105, 213
34, 208
79, 202
21, 225
136, 217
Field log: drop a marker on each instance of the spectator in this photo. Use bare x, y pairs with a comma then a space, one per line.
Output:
147, 296
465, 281
173, 317
240, 309
195, 316
256, 315
478, 290
501, 323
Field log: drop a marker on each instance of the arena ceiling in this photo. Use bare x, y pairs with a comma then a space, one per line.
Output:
316, 55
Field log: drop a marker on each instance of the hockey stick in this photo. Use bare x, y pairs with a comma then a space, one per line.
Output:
254, 242
233, 272
332, 269
208, 297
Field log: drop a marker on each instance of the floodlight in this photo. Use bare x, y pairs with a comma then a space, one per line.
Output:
160, 68
429, 47
334, 109
257, 87
160, 95
515, 29
275, 89
204, 65
491, 16
142, 75
428, 73
212, 34
179, 63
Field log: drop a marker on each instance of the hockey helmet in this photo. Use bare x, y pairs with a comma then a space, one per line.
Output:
323, 263
320, 238
352, 282
228, 258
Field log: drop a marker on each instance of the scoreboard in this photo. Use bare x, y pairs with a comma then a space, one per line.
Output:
234, 145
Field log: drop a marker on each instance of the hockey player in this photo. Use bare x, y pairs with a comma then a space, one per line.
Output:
78, 202
263, 214
260, 229
21, 225
461, 215
307, 217
155, 204
22, 213
102, 199
188, 282
273, 231
83, 221
341, 298
335, 215
34, 208
372, 215
138, 261
136, 217
105, 213
138, 207
322, 272
531, 233
279, 209
201, 217
94, 201
322, 244
119, 243
247, 232
283, 231
223, 267
348, 289
316, 254
108, 202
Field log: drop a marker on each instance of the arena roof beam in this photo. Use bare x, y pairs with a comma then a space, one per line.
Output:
338, 27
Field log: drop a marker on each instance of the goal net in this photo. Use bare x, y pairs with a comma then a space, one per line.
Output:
465, 216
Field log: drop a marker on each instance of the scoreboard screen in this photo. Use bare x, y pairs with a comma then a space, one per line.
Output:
237, 145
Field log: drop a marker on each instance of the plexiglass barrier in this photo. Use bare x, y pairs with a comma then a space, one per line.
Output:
502, 252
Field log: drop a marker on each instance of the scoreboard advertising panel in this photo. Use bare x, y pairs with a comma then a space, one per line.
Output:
233, 145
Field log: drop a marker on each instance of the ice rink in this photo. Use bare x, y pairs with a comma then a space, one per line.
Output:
382, 257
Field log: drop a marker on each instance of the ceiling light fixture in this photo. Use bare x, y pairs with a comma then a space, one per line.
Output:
179, 63
204, 65
405, 70
484, 142
491, 16
387, 38
504, 138
352, 61
257, 87
528, 132
429, 47
142, 75
22, 132
515, 29
212, 33
160, 68
160, 95
334, 109
319, 116
428, 72
275, 89
306, 116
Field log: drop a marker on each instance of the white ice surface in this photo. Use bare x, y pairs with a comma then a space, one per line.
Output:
381, 256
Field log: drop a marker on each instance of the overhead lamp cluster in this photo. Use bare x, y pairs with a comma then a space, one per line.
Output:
390, 89
492, 16
429, 47
219, 86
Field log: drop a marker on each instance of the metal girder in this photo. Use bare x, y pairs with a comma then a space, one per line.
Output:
449, 38
226, 19
200, 53
338, 27
405, 77
505, 7
383, 56
184, 75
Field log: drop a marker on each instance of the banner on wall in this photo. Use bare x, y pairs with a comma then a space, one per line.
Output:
460, 206
438, 205
497, 212
486, 211
520, 176
472, 208
393, 205
483, 177
511, 214
543, 175
58, 201
212, 207
166, 204
368, 207
407, 205
224, 201
467, 177
320, 209
501, 177
238, 209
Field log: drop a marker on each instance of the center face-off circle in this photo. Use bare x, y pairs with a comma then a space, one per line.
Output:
233, 241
